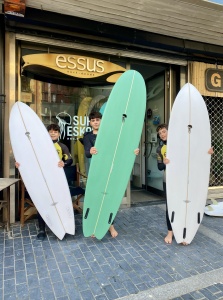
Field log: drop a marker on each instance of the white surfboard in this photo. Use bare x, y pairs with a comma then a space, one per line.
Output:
45, 181
214, 210
187, 174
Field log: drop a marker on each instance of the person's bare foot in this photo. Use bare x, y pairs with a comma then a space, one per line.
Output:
184, 244
168, 239
113, 232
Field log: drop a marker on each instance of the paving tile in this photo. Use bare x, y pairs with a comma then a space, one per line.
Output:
20, 277
110, 292
213, 289
19, 265
31, 268
55, 276
75, 270
46, 285
10, 297
9, 286
63, 267
89, 275
35, 294
9, 251
89, 256
81, 283
73, 294
83, 264
208, 294
18, 254
22, 290
77, 253
116, 282
9, 273
87, 295
130, 287
122, 293
48, 296
33, 281
43, 272
102, 278
59, 289
9, 261
68, 278
95, 287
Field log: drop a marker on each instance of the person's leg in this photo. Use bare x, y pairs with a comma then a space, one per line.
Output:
42, 225
112, 230
169, 237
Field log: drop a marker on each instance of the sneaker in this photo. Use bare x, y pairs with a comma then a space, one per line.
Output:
41, 235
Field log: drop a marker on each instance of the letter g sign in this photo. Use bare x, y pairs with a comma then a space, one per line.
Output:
216, 80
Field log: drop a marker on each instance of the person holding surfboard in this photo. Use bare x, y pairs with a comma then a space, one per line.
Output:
162, 161
65, 159
162, 131
89, 142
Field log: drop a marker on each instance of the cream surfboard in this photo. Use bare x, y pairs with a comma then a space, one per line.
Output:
215, 209
187, 174
45, 181
118, 137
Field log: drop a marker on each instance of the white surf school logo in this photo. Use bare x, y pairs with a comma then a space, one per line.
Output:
72, 127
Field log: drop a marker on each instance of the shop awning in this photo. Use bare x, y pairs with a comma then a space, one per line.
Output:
193, 20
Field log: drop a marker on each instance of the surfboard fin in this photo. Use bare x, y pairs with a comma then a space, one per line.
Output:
87, 212
110, 218
172, 216
198, 218
184, 233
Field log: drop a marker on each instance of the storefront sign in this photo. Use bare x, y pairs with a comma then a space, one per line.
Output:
71, 65
15, 7
26, 97
214, 80
72, 127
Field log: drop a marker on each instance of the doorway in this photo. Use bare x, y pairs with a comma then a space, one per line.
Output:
147, 180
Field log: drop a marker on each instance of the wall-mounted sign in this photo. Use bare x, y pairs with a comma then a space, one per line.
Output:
26, 97
214, 80
15, 7
65, 66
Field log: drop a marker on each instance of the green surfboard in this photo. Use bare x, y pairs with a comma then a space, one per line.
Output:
118, 136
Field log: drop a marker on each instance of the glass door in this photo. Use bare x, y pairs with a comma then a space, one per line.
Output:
155, 115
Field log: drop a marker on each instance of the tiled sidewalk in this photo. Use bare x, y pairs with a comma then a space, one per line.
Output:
135, 265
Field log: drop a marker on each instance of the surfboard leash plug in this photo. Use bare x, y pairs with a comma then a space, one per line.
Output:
124, 116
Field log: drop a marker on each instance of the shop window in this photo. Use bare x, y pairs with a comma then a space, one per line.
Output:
66, 106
